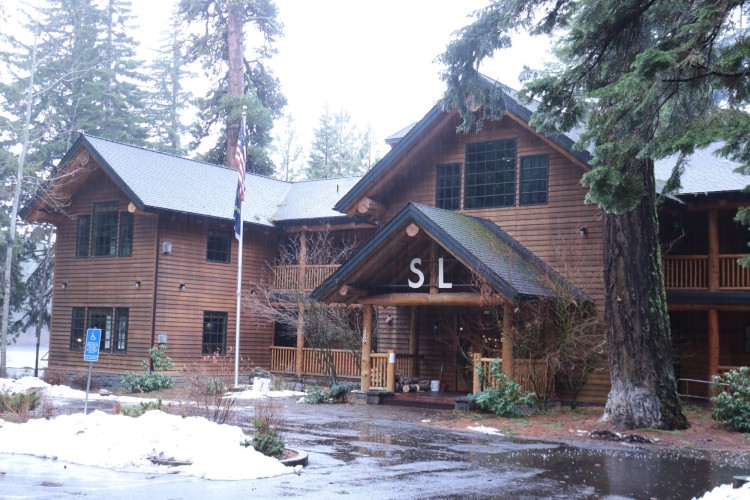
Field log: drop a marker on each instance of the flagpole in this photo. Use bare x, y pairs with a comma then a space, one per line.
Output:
239, 276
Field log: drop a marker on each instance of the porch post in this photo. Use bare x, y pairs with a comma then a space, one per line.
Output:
301, 309
299, 360
366, 348
713, 342
390, 374
713, 249
507, 359
477, 362
414, 342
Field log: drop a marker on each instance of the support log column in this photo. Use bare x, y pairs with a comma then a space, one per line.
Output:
414, 342
713, 285
366, 349
507, 355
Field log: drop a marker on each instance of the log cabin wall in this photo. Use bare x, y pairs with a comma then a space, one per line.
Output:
551, 230
107, 282
209, 287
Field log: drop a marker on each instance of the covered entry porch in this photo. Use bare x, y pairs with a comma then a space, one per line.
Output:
439, 291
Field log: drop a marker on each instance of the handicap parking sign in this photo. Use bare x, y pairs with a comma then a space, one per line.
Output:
93, 339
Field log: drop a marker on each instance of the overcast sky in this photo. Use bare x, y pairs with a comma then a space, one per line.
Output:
375, 59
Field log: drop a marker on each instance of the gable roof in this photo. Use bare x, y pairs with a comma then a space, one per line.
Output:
155, 180
412, 134
480, 245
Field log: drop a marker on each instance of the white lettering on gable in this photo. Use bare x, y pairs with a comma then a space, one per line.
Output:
416, 261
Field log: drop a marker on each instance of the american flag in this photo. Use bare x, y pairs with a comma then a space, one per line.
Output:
240, 159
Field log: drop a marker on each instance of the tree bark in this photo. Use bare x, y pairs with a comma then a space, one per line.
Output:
644, 391
235, 73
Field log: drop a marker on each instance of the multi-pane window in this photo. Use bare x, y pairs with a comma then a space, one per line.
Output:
214, 332
126, 235
448, 186
113, 322
105, 233
219, 245
78, 329
104, 230
534, 175
490, 174
83, 232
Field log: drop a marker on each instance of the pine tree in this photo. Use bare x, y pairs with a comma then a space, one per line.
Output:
338, 148
641, 77
220, 48
288, 150
168, 97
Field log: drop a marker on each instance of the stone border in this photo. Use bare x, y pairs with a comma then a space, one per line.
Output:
300, 459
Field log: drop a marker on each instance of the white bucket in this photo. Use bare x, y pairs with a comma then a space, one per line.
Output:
435, 385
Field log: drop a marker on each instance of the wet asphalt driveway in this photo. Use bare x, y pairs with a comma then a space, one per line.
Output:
358, 451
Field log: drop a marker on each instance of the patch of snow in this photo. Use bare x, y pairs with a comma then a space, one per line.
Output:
61, 391
485, 430
726, 492
253, 394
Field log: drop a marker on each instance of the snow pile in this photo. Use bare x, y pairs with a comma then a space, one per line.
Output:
60, 391
484, 430
726, 492
253, 394
125, 443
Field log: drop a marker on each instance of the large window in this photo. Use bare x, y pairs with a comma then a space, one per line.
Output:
448, 186
83, 232
104, 230
126, 235
113, 322
219, 245
490, 175
534, 174
214, 332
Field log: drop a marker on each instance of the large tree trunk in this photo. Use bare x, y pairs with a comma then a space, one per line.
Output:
235, 73
644, 392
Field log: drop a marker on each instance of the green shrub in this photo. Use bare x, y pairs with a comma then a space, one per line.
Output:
339, 392
316, 396
151, 381
16, 406
502, 399
137, 411
267, 439
732, 401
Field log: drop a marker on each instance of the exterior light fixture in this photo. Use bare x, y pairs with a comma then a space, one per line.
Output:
64, 284
183, 286
137, 283
252, 292
582, 231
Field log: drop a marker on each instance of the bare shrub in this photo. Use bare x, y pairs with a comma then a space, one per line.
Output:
208, 380
267, 421
54, 376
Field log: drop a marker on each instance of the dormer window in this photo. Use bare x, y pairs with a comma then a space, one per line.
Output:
490, 176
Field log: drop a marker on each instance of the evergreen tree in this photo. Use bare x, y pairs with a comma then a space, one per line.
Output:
288, 150
338, 148
220, 48
641, 77
169, 98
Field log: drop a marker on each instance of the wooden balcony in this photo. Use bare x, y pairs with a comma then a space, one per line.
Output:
690, 272
288, 278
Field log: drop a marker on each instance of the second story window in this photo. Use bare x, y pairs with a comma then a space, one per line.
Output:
218, 245
490, 175
448, 186
533, 185
104, 230
126, 235
83, 233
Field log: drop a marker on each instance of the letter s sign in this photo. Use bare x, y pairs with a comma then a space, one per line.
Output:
413, 267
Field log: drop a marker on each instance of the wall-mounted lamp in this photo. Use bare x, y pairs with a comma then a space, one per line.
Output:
183, 286
64, 284
137, 283
252, 292
582, 231
388, 319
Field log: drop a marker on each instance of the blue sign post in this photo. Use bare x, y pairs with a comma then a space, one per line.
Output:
91, 354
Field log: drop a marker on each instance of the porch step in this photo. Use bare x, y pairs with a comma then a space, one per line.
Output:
435, 400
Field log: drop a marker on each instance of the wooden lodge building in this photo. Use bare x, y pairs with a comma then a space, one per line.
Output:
452, 225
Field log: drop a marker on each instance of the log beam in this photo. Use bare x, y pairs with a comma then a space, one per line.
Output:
370, 208
425, 299
350, 291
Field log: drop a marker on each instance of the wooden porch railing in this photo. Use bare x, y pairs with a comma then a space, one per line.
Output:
524, 372
287, 278
284, 360
690, 272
